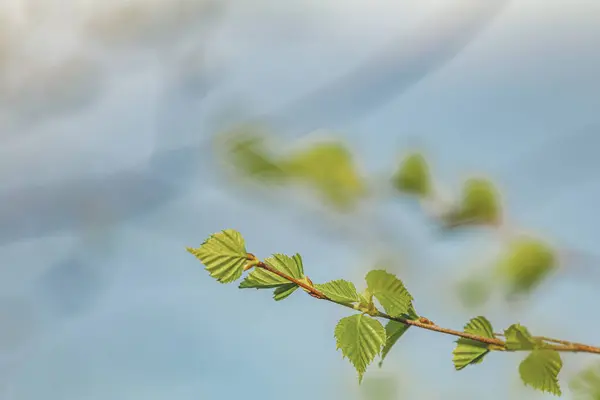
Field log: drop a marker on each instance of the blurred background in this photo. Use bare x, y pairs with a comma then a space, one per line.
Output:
131, 130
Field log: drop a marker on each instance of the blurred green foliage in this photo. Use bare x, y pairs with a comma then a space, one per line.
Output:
413, 176
379, 388
479, 205
526, 262
474, 291
245, 148
586, 384
523, 265
328, 167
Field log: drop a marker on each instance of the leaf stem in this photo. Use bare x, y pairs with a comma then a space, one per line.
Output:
499, 344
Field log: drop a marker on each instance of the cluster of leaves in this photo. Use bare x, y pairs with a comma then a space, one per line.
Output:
525, 262
361, 337
539, 369
328, 167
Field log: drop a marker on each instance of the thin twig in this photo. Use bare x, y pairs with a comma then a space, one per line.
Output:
423, 323
565, 345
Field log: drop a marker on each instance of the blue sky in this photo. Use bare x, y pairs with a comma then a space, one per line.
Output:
98, 295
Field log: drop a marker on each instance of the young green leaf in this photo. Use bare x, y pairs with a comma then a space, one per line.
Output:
480, 205
525, 264
518, 338
365, 303
339, 290
330, 169
390, 292
469, 351
413, 176
393, 331
586, 384
263, 279
223, 254
360, 338
284, 291
540, 370
366, 297
291, 266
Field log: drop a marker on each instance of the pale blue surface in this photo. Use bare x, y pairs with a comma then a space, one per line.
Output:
102, 302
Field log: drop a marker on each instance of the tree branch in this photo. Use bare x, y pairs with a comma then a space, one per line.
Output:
424, 323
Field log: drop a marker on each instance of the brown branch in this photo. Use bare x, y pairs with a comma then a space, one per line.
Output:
574, 348
563, 345
435, 328
423, 323
310, 289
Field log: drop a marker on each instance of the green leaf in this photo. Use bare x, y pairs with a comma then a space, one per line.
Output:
339, 290
284, 291
262, 279
223, 254
480, 205
360, 338
413, 176
366, 297
246, 151
586, 384
330, 169
540, 370
469, 351
393, 331
390, 292
290, 265
526, 263
366, 304
412, 314
518, 338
